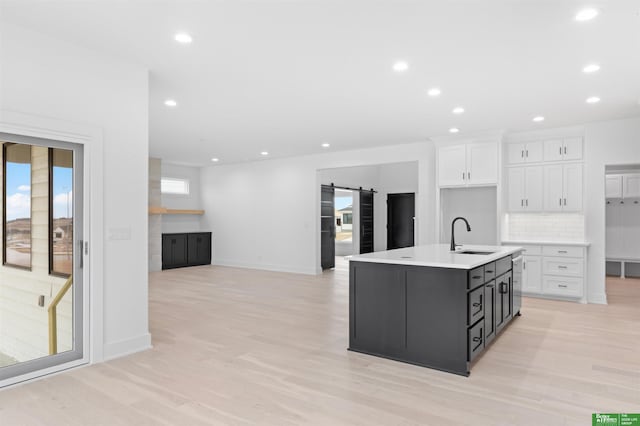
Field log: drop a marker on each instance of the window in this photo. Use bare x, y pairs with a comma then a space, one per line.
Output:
60, 211
17, 205
174, 186
347, 218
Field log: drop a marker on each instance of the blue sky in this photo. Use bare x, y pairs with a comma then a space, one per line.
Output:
19, 190
342, 202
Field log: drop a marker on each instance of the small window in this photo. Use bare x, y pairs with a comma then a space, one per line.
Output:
60, 211
348, 218
17, 205
174, 186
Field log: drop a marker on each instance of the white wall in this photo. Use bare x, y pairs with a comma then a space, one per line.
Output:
182, 223
478, 206
45, 77
244, 204
606, 143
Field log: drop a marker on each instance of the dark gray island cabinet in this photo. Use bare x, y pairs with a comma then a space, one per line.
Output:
440, 316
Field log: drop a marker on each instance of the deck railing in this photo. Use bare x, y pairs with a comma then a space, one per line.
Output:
53, 318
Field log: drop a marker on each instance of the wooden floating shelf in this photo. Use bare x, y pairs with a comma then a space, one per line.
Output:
164, 210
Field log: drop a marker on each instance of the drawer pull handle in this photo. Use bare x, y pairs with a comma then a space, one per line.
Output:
476, 277
477, 339
562, 267
562, 251
477, 304
490, 285
562, 285
489, 272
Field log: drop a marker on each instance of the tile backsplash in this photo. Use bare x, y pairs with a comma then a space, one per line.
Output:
544, 227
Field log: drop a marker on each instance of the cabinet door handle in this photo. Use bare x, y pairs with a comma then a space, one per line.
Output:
522, 153
524, 265
469, 175
463, 176
560, 201
527, 153
526, 202
565, 150
560, 151
522, 203
565, 201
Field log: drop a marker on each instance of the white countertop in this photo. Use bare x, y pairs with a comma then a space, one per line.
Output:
548, 243
437, 256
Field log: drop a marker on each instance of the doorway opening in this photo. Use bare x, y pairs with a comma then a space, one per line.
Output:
622, 218
343, 203
41, 283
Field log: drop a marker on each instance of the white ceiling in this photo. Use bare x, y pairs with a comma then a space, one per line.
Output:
286, 76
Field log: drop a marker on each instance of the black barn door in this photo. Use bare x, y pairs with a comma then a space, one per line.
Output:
327, 227
401, 211
366, 222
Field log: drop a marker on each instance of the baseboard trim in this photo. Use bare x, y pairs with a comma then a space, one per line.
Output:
266, 267
127, 347
598, 299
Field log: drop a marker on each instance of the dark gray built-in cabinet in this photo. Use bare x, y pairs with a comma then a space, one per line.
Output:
441, 318
186, 249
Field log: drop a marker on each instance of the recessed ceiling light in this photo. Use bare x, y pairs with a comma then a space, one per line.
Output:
400, 66
434, 91
264, 153
454, 130
170, 103
215, 160
538, 119
593, 100
325, 145
587, 14
183, 38
458, 110
590, 68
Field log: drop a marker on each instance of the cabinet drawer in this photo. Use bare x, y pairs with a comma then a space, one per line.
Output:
489, 271
503, 265
475, 340
475, 307
565, 251
476, 277
532, 250
562, 266
561, 286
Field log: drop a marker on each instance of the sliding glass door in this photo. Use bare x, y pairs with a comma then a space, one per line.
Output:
41, 282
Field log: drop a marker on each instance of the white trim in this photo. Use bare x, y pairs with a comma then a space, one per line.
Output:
93, 174
127, 347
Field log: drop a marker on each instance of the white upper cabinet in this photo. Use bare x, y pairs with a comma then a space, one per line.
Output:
482, 163
613, 186
452, 165
468, 164
563, 149
553, 150
631, 186
519, 153
525, 189
572, 187
553, 187
572, 149
563, 187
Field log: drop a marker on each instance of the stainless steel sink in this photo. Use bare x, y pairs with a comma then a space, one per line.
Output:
477, 252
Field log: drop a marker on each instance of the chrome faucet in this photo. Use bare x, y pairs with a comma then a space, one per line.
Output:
453, 236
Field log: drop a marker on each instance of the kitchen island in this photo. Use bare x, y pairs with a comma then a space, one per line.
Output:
429, 306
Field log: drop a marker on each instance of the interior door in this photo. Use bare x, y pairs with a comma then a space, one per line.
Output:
401, 211
366, 222
327, 227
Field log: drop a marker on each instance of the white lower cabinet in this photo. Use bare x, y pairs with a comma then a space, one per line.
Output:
554, 271
532, 274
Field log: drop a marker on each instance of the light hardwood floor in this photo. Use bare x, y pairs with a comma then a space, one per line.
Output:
235, 346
